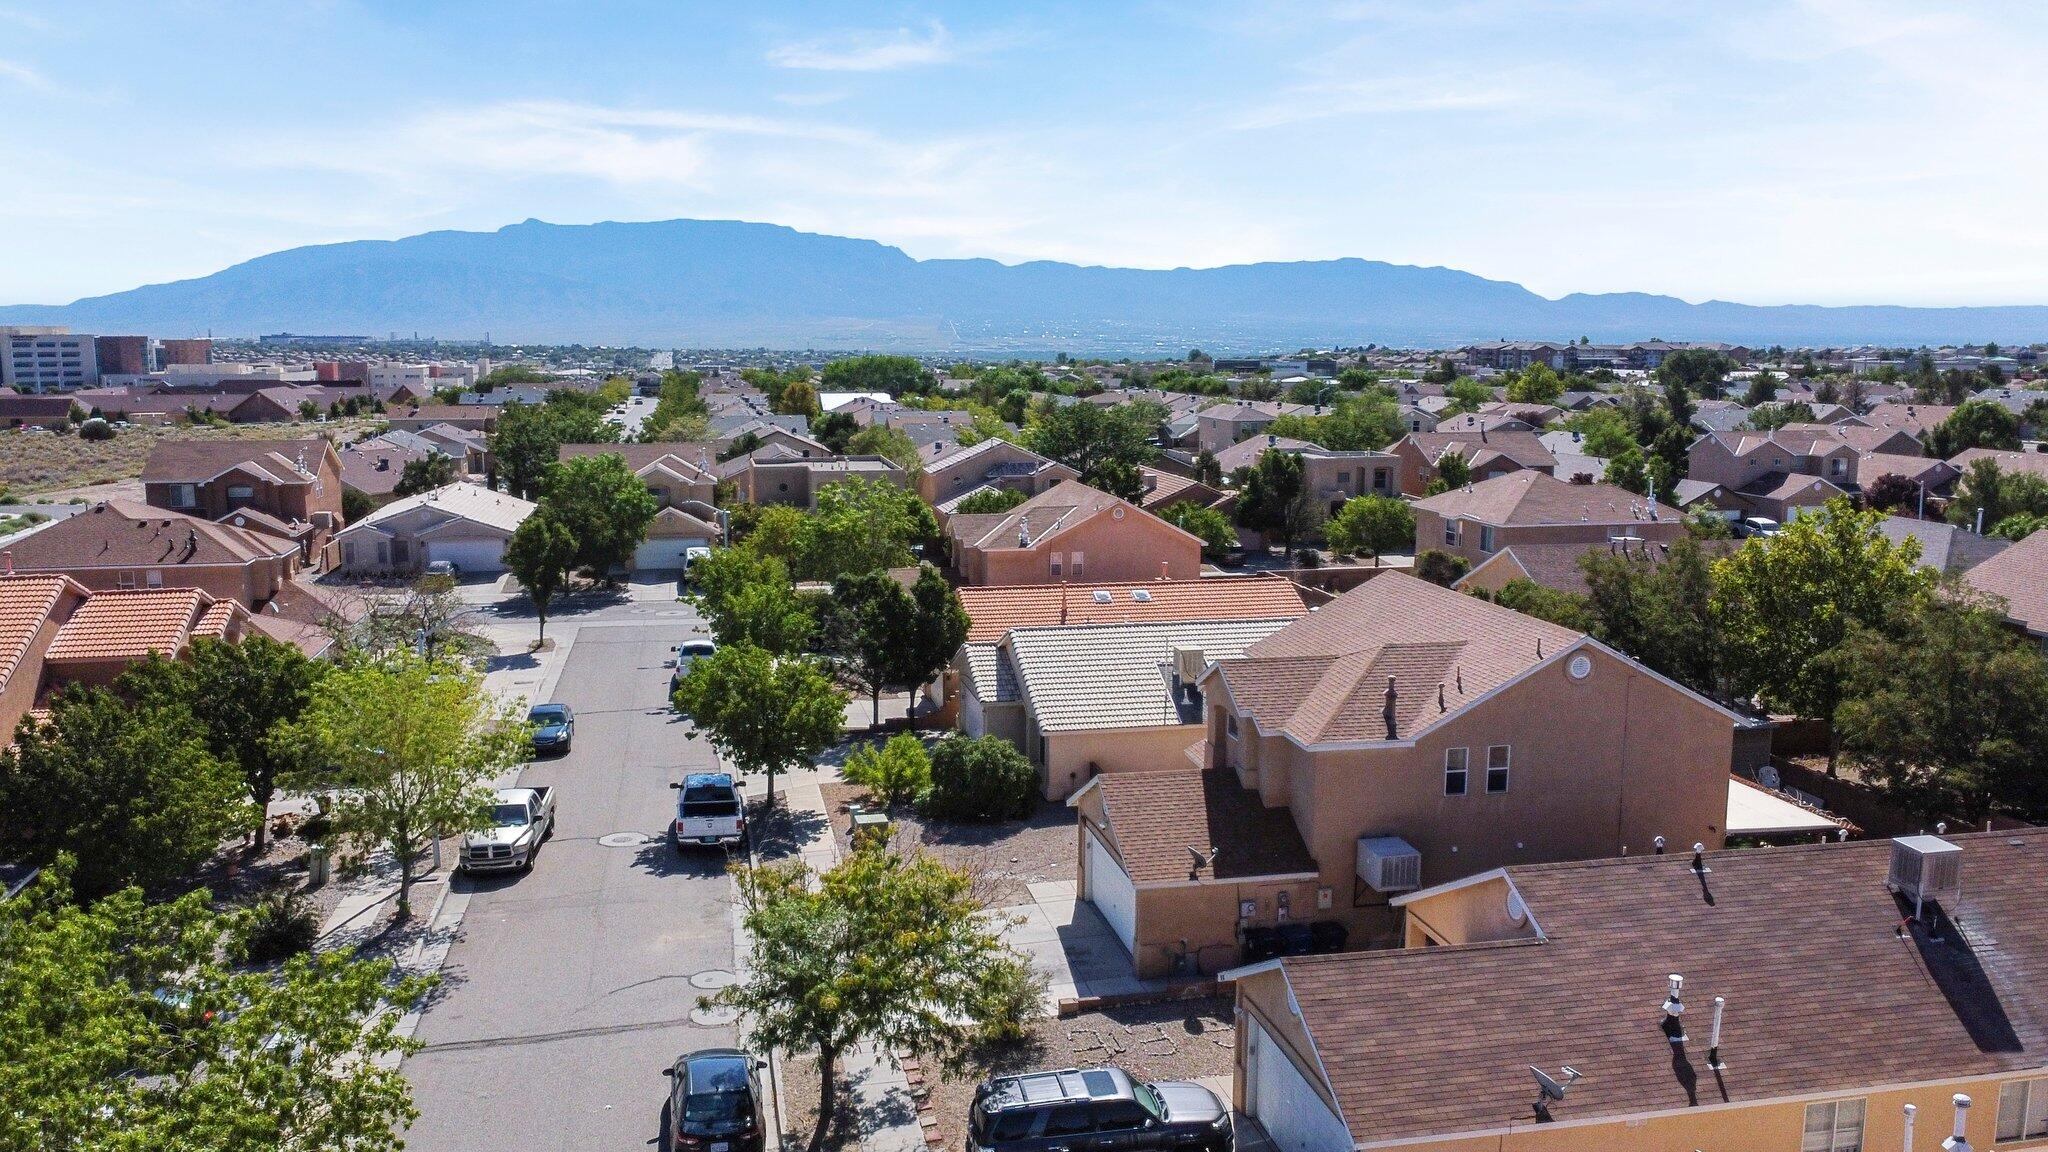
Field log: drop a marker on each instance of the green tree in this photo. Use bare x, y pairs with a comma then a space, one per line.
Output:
1372, 524
1629, 470
1602, 432
938, 626
1275, 499
1536, 384
540, 554
799, 398
980, 778
679, 414
1466, 395
892, 444
870, 614
528, 437
1699, 371
988, 501
1207, 470
1451, 472
242, 696
883, 949
1770, 417
746, 598
1947, 712
1533, 599
355, 505
1974, 424
1989, 492
1200, 520
764, 713
895, 772
1763, 389
1662, 614
131, 1025
895, 375
1105, 445
1440, 567
434, 470
835, 430
864, 526
1785, 601
408, 747
607, 508
127, 788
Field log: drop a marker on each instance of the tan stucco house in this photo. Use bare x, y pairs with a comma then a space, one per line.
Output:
1411, 735
1528, 507
951, 472
1486, 455
464, 524
1332, 476
1071, 532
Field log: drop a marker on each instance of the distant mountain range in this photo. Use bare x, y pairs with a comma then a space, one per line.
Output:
721, 283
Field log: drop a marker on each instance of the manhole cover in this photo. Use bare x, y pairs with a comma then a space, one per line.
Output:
714, 1017
715, 978
624, 839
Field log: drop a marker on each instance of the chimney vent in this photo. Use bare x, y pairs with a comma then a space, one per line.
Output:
1674, 1009
1959, 1142
1388, 713
1714, 1060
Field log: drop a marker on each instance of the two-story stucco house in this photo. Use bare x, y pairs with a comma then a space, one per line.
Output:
1070, 532
1527, 507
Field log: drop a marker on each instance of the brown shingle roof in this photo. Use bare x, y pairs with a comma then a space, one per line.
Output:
1324, 677
637, 456
1823, 995
1155, 818
1530, 498
124, 533
1558, 565
197, 461
2008, 462
130, 623
994, 610
2019, 575
1524, 448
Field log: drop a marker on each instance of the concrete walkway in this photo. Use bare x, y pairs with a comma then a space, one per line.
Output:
1070, 943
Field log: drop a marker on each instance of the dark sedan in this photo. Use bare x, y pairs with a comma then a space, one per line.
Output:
714, 1102
554, 727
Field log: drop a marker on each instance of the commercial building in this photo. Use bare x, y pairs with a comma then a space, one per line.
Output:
43, 359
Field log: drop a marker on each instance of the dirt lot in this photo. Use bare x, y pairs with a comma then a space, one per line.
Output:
1003, 858
1180, 1041
45, 462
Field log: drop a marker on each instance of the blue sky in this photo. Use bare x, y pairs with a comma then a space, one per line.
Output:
1825, 151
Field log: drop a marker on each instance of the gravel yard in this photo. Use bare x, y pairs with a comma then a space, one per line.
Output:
1003, 858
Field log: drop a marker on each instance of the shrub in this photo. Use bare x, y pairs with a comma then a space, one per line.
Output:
280, 927
979, 778
894, 773
96, 429
1308, 557
1009, 995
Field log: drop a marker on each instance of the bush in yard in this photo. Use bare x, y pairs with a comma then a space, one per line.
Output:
893, 773
96, 429
280, 927
979, 778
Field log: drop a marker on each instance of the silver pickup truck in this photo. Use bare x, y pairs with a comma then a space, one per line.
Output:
521, 818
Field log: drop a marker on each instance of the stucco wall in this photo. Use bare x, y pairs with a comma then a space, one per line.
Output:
1068, 755
1132, 548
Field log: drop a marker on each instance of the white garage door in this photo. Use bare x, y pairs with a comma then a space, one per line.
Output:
657, 555
469, 555
1110, 890
1282, 1101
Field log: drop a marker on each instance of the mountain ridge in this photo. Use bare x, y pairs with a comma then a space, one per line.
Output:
724, 283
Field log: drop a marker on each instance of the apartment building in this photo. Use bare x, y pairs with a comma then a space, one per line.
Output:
44, 359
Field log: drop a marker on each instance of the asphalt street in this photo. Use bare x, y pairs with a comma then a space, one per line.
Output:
570, 988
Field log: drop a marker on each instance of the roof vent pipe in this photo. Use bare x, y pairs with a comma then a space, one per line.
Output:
1714, 1060
1658, 844
1911, 1112
1958, 1142
1388, 712
1674, 1007
1699, 860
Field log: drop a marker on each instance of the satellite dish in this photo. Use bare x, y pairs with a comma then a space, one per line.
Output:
1768, 777
1202, 859
1552, 1090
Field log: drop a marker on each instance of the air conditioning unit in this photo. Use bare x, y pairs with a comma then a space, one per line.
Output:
1188, 663
1926, 868
1389, 864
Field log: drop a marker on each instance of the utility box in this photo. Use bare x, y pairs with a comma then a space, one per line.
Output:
1389, 864
1927, 868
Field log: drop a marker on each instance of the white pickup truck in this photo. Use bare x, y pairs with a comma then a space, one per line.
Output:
520, 819
709, 810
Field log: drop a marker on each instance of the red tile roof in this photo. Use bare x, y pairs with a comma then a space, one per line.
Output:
130, 623
25, 605
994, 610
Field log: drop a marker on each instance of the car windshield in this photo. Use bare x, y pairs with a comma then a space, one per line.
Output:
1149, 1100
508, 815
715, 1107
546, 716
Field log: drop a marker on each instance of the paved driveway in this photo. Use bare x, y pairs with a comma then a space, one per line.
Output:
570, 988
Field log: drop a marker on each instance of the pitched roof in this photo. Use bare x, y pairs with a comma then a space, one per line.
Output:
1523, 448
1043, 517
359, 465
124, 533
1156, 819
1528, 498
1324, 678
2008, 462
995, 678
1559, 566
1823, 995
684, 454
25, 604
993, 610
2019, 575
1874, 466
1943, 547
197, 461
1095, 676
462, 501
130, 623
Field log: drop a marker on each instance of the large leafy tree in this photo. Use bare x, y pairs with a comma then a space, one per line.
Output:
1661, 614
764, 713
891, 444
605, 506
1991, 495
408, 746
1198, 519
1367, 421
871, 616
434, 470
863, 526
989, 500
747, 598
1947, 713
1536, 384
528, 437
1783, 602
1372, 524
129, 788
1105, 445
895, 375
540, 554
1974, 424
1602, 432
679, 413
1699, 371
1452, 471
884, 949
938, 626
1270, 493
242, 696
127, 1025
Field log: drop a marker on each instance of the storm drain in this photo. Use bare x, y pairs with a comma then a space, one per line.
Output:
713, 979
625, 839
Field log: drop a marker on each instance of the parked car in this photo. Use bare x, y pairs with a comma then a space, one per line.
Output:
521, 818
1095, 1108
714, 1101
1756, 526
708, 810
446, 568
554, 727
687, 652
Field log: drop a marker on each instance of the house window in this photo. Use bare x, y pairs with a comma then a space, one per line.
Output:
383, 552
1074, 565
1455, 764
348, 554
125, 580
1497, 768
1486, 537
1056, 558
1836, 1126
239, 494
154, 578
1380, 481
1838, 465
184, 495
1343, 479
1230, 725
1451, 533
2023, 1110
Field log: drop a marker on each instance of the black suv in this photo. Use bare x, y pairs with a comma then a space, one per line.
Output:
1097, 1109
715, 1102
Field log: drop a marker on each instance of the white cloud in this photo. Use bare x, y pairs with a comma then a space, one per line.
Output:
868, 51
24, 75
